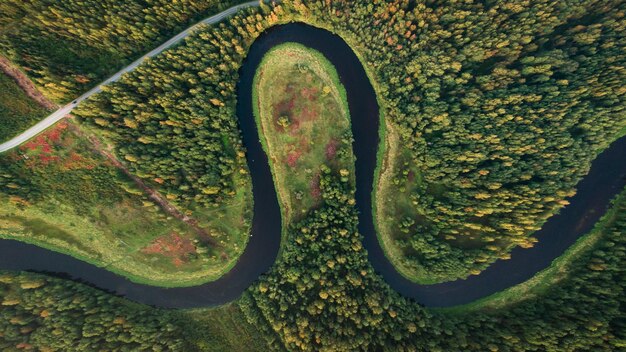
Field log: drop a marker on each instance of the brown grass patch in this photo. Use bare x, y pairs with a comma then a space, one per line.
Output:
331, 149
314, 187
173, 246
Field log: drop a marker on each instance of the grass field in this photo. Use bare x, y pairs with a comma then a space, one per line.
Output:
58, 193
17, 111
560, 268
224, 328
302, 114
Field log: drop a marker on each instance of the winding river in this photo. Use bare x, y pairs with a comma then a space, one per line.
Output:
606, 178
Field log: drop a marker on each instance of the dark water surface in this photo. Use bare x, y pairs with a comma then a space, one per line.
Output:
606, 179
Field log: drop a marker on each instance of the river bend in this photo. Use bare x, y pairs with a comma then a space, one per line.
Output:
605, 179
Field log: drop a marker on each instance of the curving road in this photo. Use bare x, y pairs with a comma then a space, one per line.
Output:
65, 110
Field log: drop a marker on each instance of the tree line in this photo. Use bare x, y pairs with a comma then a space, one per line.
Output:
67, 47
50, 314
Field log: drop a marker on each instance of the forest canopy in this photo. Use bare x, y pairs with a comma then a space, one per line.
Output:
498, 109
67, 47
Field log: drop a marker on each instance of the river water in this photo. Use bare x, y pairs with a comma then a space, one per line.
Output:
606, 178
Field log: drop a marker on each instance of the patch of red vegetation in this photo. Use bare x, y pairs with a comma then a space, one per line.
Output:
49, 147
76, 161
292, 157
306, 102
314, 187
299, 149
331, 149
294, 127
44, 144
310, 93
288, 103
411, 176
309, 114
173, 246
285, 106
47, 159
54, 135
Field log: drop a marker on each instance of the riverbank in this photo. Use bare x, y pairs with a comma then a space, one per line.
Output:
558, 270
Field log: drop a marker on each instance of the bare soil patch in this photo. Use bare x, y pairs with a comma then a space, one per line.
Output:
25, 83
172, 246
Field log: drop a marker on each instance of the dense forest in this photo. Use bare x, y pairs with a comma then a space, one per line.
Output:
323, 295
500, 110
40, 313
17, 111
69, 46
46, 314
